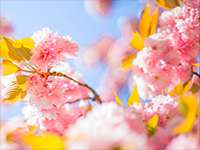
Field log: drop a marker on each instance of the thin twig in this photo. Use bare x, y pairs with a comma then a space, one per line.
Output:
195, 73
96, 95
28, 71
74, 101
59, 74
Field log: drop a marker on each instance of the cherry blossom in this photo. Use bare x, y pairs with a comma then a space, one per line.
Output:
6, 27
187, 141
165, 107
51, 48
169, 54
105, 128
51, 92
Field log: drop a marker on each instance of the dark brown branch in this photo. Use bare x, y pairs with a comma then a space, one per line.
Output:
74, 101
96, 95
195, 73
59, 74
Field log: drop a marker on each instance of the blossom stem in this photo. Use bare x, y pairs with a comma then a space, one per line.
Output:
28, 71
74, 101
96, 95
195, 73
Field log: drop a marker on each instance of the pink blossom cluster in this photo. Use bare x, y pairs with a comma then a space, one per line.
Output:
51, 49
55, 120
168, 55
98, 7
8, 127
107, 126
188, 141
165, 107
54, 91
48, 94
56, 98
181, 26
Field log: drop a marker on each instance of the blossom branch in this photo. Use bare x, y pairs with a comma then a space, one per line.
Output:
59, 74
74, 101
96, 95
195, 73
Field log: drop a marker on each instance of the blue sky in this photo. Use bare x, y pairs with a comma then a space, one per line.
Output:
67, 17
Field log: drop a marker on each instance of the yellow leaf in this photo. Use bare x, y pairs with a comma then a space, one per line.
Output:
197, 64
187, 87
180, 89
26, 42
18, 90
22, 81
195, 88
145, 21
191, 103
152, 124
127, 62
18, 54
168, 4
147, 26
154, 21
14, 50
4, 49
134, 97
118, 100
177, 90
137, 41
8, 67
44, 141
32, 129
13, 95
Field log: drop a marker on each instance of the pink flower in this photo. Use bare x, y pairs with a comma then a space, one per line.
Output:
97, 51
10, 127
161, 138
51, 49
54, 91
55, 120
5, 26
168, 55
164, 106
158, 67
100, 7
193, 4
182, 26
62, 120
185, 142
106, 127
